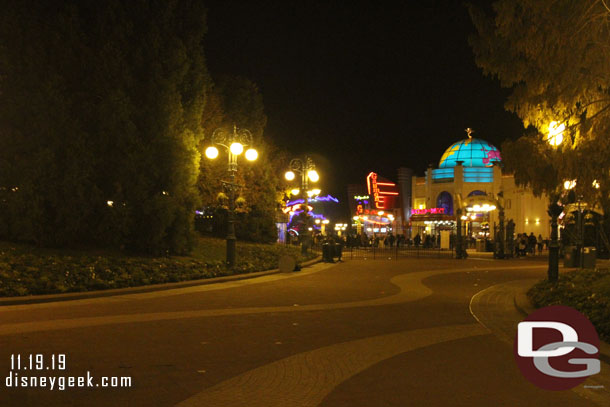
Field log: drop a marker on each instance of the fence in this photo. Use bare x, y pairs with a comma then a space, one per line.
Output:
395, 253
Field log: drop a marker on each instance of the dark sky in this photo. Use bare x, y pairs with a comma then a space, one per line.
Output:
363, 87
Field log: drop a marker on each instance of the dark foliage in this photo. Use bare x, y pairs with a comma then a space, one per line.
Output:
100, 120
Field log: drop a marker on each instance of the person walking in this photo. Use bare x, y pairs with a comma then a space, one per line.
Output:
531, 243
540, 244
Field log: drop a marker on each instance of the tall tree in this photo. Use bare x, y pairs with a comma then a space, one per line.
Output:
555, 56
103, 120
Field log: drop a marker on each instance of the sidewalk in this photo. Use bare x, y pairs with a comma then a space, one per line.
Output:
501, 307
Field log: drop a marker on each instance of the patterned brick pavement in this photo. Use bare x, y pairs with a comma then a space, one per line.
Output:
303, 380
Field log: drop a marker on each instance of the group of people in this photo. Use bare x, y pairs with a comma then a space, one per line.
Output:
525, 244
390, 241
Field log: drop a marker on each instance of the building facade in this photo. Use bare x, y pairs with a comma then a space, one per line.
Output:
469, 176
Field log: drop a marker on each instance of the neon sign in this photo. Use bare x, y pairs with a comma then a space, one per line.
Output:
295, 208
361, 197
327, 198
379, 194
429, 211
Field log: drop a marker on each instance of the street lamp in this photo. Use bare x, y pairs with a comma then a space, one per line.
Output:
555, 138
234, 142
307, 170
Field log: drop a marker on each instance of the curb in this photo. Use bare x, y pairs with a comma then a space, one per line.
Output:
45, 298
525, 307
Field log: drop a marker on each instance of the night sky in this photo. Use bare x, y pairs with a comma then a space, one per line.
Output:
361, 87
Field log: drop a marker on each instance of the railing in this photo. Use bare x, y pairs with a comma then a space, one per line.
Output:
395, 253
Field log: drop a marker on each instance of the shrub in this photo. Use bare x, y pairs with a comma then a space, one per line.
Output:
588, 291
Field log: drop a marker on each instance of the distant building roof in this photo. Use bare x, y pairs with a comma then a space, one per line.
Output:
472, 152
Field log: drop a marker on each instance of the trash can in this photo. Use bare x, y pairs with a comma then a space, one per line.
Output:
327, 255
338, 251
489, 246
570, 257
588, 257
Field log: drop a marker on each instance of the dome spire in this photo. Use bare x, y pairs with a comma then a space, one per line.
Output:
469, 131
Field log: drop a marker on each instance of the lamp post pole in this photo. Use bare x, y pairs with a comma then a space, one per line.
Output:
234, 142
231, 187
555, 138
459, 250
501, 238
307, 170
553, 270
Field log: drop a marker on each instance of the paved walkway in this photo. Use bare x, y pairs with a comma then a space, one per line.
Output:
501, 307
324, 337
303, 380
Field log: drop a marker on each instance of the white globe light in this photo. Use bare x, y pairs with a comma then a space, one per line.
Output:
237, 148
295, 191
211, 152
556, 133
289, 175
313, 175
251, 154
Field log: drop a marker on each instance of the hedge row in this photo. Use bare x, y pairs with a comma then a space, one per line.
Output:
588, 291
27, 272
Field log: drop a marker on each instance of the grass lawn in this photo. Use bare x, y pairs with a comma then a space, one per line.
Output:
28, 270
588, 291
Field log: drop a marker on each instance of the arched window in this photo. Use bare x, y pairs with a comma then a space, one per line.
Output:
445, 200
476, 192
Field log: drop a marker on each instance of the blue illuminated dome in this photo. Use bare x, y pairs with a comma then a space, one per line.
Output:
472, 152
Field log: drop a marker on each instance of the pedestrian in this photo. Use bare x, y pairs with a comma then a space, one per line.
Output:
339, 243
417, 240
523, 245
531, 243
540, 244
391, 239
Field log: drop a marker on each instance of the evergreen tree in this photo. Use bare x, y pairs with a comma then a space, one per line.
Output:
103, 122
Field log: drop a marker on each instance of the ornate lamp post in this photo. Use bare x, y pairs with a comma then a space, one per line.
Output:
500, 239
555, 138
307, 171
234, 142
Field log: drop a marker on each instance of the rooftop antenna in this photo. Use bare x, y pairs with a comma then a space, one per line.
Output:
469, 131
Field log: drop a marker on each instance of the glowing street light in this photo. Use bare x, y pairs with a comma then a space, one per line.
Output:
234, 142
295, 191
313, 175
569, 184
307, 169
237, 148
251, 154
556, 133
211, 152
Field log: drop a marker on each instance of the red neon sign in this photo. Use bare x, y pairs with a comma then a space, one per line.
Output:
430, 211
378, 193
